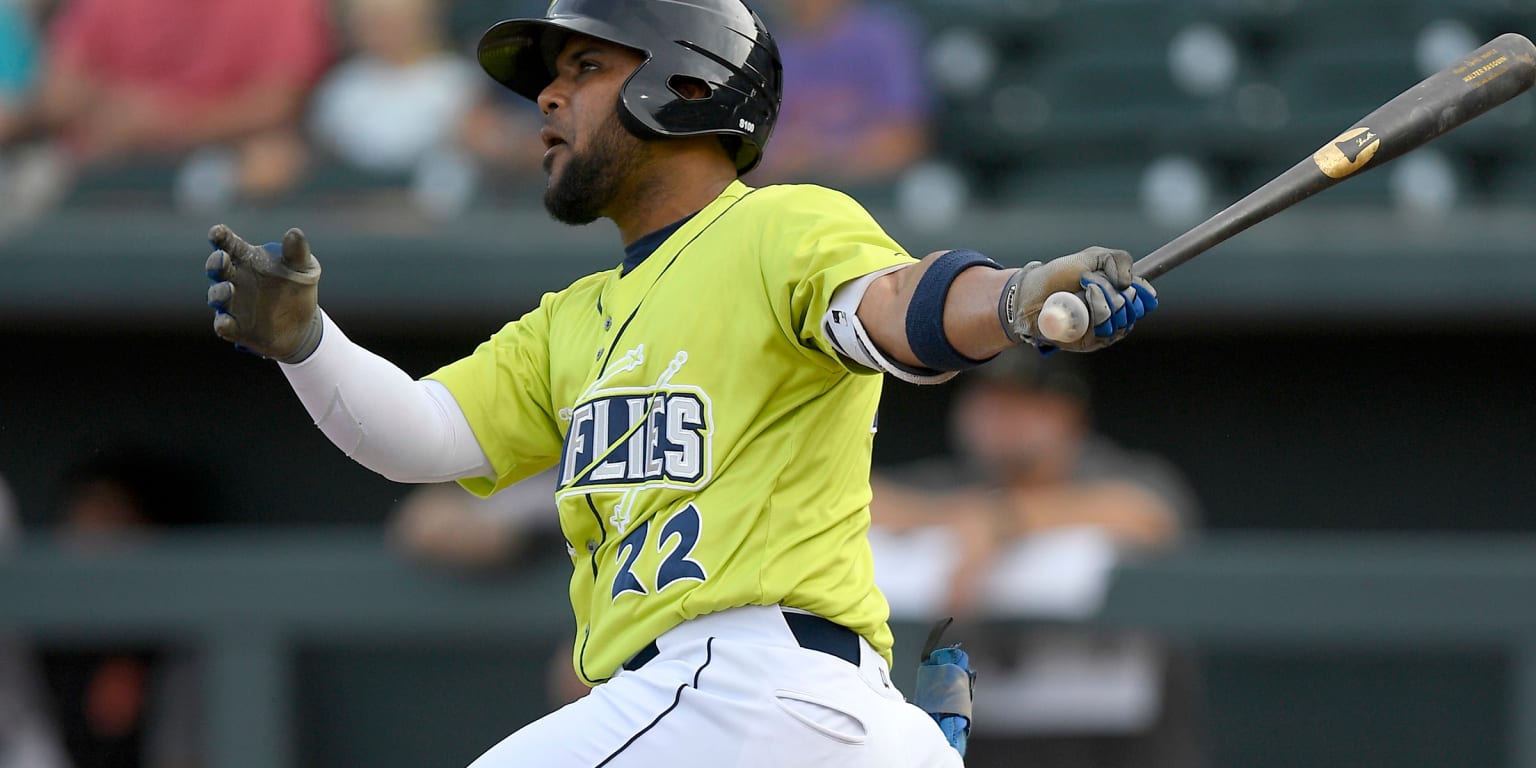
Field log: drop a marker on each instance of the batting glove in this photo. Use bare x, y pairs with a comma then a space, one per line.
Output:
264, 299
945, 687
1102, 277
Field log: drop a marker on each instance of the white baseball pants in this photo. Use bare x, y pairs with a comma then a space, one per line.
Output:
734, 689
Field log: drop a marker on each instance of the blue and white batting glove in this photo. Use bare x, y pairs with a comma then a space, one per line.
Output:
945, 682
1116, 310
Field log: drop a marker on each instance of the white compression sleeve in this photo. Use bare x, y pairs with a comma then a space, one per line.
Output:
406, 430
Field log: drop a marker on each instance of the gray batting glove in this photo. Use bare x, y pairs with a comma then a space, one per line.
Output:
1101, 276
264, 298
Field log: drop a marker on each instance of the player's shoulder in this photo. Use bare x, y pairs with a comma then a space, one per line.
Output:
580, 291
589, 282
810, 196
802, 206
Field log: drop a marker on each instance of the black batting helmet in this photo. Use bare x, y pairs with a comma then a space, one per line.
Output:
721, 43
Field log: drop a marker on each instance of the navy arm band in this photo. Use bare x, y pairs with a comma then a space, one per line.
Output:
925, 313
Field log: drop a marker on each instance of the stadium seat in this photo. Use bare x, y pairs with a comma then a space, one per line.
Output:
1329, 89
1091, 79
1012, 23
1509, 182
1073, 184
139, 183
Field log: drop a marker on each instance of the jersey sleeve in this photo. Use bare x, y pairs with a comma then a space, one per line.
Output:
816, 241
503, 387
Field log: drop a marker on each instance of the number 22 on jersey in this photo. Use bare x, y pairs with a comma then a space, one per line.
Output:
683, 527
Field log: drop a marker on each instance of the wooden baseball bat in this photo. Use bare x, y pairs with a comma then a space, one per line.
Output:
1500, 70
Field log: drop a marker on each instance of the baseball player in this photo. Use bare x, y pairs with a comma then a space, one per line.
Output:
708, 403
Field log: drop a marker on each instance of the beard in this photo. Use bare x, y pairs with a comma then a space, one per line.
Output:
591, 179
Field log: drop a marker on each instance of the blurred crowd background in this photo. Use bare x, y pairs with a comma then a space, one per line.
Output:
1350, 370
1171, 107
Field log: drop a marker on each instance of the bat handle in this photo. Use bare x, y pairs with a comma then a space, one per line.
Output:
1192, 243
1063, 317
1150, 268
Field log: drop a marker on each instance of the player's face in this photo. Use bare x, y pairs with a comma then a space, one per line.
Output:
589, 156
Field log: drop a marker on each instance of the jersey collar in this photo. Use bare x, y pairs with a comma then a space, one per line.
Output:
637, 252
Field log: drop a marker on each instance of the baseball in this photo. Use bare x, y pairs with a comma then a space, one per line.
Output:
1063, 318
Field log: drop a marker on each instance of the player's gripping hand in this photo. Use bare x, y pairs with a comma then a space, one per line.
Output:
264, 298
1102, 277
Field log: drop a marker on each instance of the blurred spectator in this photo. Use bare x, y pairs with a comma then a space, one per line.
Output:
856, 104
134, 705
444, 525
8, 514
1028, 520
502, 132
18, 59
501, 129
28, 738
135, 78
19, 54
398, 103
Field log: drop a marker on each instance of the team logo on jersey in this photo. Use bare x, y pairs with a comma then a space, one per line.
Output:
652, 436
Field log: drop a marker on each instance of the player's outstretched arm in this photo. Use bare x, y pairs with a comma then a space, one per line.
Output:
406, 430
265, 298
954, 309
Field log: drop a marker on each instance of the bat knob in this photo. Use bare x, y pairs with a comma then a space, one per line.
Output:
1063, 318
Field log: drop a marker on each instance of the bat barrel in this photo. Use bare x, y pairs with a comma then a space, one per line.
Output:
1498, 71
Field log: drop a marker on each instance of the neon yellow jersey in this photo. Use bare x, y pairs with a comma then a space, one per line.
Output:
713, 447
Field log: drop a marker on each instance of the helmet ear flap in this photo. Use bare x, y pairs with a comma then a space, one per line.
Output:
634, 124
736, 149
